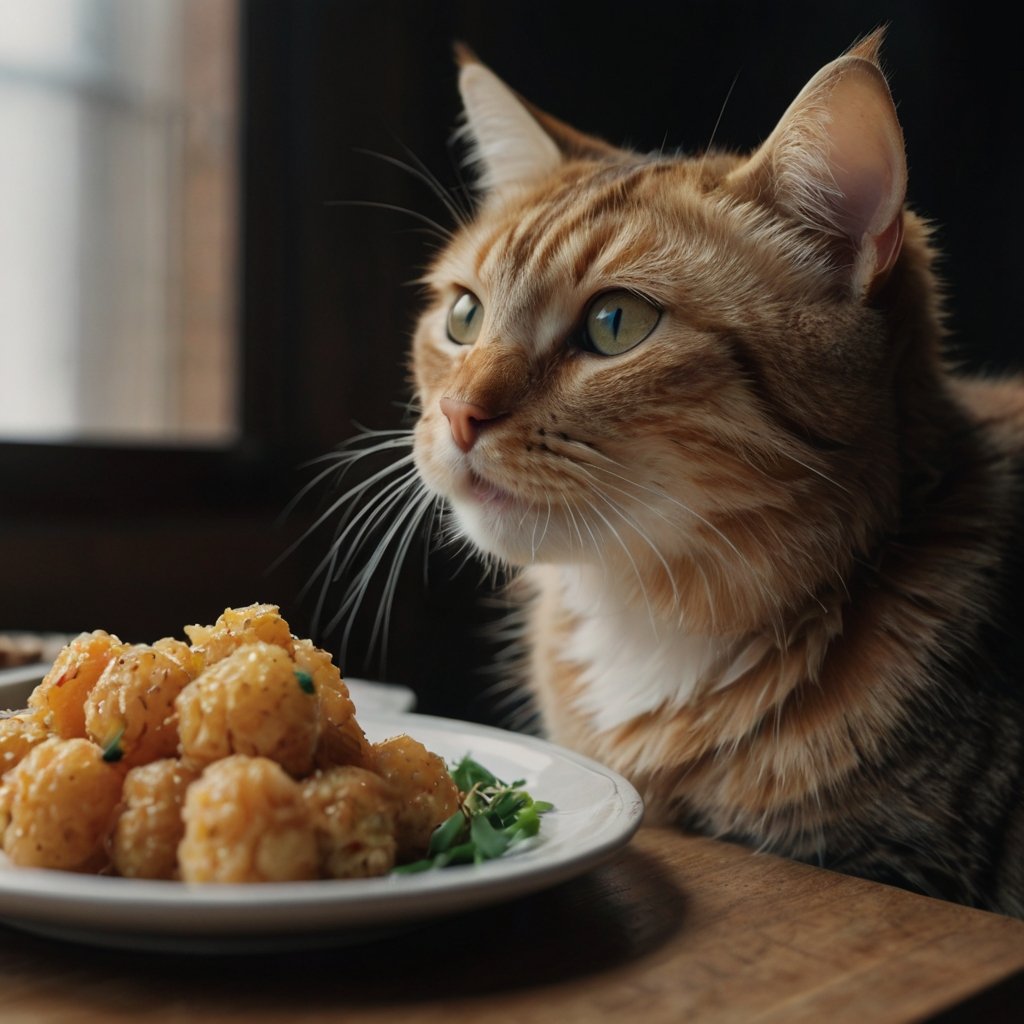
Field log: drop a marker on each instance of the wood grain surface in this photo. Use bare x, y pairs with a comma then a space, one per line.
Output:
673, 928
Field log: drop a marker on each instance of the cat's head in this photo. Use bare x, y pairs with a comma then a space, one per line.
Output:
643, 359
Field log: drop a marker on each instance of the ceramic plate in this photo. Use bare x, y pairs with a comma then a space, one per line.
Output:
596, 812
17, 683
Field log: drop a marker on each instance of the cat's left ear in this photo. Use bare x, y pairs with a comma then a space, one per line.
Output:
512, 142
836, 162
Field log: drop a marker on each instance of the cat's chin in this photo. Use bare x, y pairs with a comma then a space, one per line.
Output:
504, 525
490, 496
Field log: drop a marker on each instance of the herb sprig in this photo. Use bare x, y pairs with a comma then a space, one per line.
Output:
492, 816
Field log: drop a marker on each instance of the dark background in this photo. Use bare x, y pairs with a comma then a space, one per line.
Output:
141, 541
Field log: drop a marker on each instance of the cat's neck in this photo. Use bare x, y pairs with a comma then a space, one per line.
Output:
616, 657
635, 657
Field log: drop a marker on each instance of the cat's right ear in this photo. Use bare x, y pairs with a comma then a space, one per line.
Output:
836, 163
511, 142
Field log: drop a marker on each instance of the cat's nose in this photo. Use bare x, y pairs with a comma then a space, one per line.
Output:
466, 421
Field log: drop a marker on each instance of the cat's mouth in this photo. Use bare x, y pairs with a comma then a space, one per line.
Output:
488, 494
507, 524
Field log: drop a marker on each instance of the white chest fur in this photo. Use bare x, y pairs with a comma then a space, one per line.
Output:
634, 663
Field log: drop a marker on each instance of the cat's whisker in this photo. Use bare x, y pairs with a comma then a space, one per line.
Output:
533, 538
410, 408
408, 516
354, 513
547, 523
426, 176
460, 198
368, 434
371, 514
632, 523
382, 622
595, 547
712, 604
788, 454
784, 450
346, 459
386, 487
632, 561
575, 526
718, 122
329, 471
431, 521
463, 546
756, 575
338, 559
347, 455
348, 499
441, 233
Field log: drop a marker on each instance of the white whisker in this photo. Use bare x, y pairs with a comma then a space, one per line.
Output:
632, 562
632, 523
756, 575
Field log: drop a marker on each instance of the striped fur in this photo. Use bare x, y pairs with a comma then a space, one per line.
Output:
769, 553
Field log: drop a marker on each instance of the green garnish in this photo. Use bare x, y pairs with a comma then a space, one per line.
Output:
492, 817
305, 681
112, 750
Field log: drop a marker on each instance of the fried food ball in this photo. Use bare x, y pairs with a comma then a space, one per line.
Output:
341, 740
18, 735
245, 821
61, 695
89, 780
177, 650
237, 627
150, 826
250, 702
353, 814
427, 794
61, 802
130, 711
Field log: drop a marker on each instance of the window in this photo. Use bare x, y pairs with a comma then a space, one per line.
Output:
117, 249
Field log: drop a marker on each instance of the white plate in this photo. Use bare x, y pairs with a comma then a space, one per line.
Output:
379, 698
17, 683
369, 698
596, 812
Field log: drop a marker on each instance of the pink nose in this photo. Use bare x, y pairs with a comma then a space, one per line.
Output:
466, 421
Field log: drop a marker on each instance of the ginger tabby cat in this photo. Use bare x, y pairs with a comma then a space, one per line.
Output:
767, 538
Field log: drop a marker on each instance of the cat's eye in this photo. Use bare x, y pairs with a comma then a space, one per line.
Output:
618, 321
464, 319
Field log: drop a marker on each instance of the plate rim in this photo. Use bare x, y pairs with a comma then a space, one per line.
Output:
40, 896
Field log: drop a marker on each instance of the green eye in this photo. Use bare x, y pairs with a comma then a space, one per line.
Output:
618, 321
464, 319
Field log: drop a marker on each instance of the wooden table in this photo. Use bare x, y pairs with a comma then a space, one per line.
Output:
671, 929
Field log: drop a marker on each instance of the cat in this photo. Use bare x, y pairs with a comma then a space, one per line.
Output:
765, 537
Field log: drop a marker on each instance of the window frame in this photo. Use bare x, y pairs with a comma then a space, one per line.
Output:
41, 476
141, 537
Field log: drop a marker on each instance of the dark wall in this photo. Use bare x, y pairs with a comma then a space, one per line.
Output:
327, 301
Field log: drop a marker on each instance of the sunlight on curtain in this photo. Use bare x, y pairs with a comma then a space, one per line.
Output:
117, 220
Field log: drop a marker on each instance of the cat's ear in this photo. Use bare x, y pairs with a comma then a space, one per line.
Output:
836, 162
512, 142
